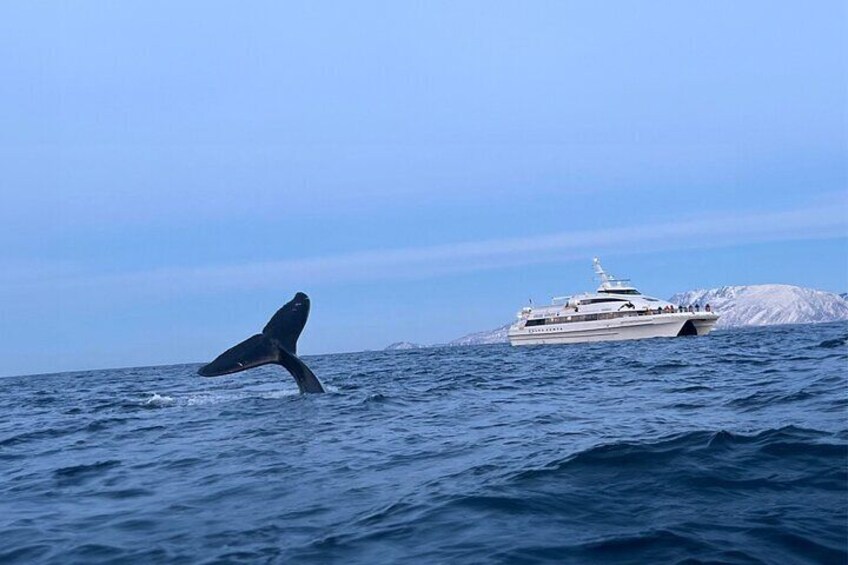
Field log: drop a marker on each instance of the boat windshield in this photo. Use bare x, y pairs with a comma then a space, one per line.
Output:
631, 291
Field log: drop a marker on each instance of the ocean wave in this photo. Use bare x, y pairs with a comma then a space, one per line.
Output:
836, 342
731, 448
694, 479
45, 434
156, 399
692, 388
788, 441
202, 399
78, 474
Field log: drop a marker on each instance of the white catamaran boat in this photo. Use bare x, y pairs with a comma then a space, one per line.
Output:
616, 311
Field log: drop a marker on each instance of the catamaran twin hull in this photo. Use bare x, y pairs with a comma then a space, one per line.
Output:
635, 327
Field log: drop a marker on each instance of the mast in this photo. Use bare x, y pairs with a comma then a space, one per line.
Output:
610, 283
606, 280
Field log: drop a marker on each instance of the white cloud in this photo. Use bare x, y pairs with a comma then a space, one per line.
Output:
439, 260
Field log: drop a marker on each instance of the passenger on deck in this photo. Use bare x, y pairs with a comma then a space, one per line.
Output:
691, 309
697, 307
707, 308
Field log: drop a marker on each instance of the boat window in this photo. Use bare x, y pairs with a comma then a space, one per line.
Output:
599, 300
621, 291
582, 318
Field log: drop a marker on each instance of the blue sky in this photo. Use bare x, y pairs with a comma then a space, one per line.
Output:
173, 172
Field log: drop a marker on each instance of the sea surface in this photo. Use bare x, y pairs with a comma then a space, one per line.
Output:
728, 448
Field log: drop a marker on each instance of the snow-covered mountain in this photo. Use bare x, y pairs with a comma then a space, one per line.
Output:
767, 304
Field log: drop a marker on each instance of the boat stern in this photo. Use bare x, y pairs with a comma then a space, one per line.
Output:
704, 322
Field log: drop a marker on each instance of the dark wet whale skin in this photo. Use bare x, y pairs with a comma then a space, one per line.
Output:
277, 344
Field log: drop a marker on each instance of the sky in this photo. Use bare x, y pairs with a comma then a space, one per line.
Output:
173, 172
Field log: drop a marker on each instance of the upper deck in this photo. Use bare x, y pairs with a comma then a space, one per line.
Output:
613, 295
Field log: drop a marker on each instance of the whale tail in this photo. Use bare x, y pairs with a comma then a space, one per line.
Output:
277, 344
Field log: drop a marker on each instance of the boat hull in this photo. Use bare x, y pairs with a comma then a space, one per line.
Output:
636, 327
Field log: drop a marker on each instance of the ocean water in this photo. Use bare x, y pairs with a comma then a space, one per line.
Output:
731, 448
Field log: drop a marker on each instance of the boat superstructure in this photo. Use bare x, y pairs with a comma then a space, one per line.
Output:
615, 311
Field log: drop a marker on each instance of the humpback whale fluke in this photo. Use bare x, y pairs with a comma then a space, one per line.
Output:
276, 344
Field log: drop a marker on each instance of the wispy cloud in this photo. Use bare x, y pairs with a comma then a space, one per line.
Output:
440, 260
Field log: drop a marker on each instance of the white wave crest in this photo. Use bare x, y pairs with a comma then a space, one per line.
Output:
159, 400
200, 399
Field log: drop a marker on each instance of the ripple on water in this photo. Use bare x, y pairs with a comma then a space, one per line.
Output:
78, 474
